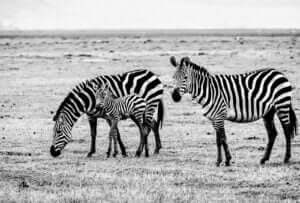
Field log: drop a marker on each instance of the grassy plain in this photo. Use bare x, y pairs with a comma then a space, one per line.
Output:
36, 73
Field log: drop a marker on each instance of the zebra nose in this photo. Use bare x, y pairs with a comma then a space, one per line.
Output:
175, 95
53, 152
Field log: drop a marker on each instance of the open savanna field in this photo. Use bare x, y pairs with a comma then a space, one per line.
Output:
37, 70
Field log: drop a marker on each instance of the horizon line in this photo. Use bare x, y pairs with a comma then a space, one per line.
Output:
146, 29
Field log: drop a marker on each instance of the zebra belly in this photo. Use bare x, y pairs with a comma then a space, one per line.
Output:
235, 115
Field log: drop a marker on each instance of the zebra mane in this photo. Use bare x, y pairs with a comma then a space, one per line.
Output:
194, 66
77, 88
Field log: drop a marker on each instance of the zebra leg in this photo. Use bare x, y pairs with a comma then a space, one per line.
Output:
287, 130
226, 149
287, 133
122, 147
154, 126
113, 132
146, 133
219, 155
142, 142
109, 145
285, 120
272, 133
221, 141
93, 129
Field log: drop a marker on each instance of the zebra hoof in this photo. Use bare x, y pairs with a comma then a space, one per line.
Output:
124, 155
227, 163
218, 164
137, 154
286, 160
107, 154
89, 155
156, 151
263, 161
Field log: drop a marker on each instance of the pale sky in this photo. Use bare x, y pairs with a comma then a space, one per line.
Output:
144, 14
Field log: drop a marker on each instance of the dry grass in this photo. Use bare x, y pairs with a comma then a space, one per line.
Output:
184, 171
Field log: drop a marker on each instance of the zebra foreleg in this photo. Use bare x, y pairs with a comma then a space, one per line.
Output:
93, 131
221, 141
272, 133
219, 150
122, 147
226, 150
113, 133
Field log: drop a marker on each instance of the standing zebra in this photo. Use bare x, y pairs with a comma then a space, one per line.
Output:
81, 100
117, 109
240, 98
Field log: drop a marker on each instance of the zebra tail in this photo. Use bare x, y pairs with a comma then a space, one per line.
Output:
160, 113
294, 123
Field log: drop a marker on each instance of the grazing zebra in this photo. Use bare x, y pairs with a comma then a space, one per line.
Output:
117, 109
81, 100
240, 98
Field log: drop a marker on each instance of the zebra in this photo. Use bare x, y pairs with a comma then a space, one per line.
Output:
81, 100
239, 98
117, 109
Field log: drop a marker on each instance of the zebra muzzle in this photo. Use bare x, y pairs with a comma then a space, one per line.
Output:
53, 152
175, 95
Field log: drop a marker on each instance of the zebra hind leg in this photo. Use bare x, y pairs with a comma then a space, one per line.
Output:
287, 125
146, 132
272, 133
142, 142
155, 127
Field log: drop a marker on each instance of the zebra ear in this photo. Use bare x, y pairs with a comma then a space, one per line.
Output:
173, 61
185, 60
55, 117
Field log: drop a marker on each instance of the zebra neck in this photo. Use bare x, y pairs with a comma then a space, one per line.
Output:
109, 104
70, 118
205, 92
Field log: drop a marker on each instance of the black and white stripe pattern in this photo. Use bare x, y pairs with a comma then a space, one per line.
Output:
81, 99
240, 98
117, 109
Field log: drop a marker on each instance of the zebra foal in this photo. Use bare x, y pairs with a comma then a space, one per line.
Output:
239, 98
116, 109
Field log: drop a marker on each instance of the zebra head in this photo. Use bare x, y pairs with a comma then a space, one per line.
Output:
61, 134
102, 95
181, 77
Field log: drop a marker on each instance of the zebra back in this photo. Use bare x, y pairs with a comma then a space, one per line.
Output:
143, 83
